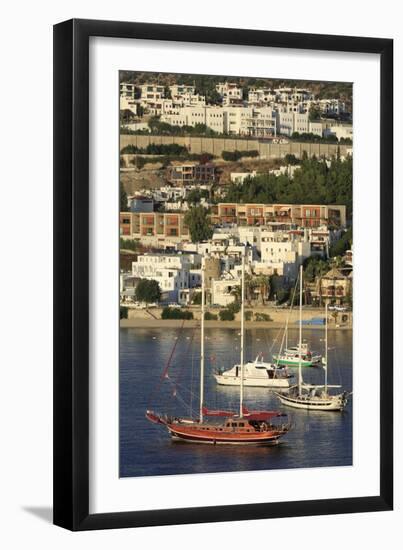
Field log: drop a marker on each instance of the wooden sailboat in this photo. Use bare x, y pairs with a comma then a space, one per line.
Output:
312, 396
244, 427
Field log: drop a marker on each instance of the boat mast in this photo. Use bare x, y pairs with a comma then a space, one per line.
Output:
242, 333
203, 298
300, 333
326, 348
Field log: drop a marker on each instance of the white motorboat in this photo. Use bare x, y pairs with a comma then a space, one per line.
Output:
256, 373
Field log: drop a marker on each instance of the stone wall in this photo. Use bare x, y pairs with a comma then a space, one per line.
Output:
216, 146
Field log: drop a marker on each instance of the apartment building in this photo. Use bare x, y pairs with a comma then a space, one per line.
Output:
262, 123
279, 246
261, 96
190, 173
263, 214
290, 122
150, 93
293, 94
180, 90
211, 116
154, 228
127, 90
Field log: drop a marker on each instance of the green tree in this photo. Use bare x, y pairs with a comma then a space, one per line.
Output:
195, 195
314, 113
148, 291
343, 244
198, 223
315, 267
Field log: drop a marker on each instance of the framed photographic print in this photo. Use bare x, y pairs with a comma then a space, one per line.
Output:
223, 334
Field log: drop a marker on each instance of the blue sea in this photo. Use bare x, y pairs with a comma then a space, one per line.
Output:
316, 439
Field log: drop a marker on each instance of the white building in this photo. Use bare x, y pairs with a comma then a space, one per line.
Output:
240, 177
290, 122
292, 94
316, 128
282, 252
180, 90
150, 93
135, 126
235, 119
230, 92
345, 131
172, 272
261, 96
223, 291
211, 116
128, 104
331, 106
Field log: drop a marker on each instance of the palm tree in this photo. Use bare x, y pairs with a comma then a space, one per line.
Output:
263, 282
236, 292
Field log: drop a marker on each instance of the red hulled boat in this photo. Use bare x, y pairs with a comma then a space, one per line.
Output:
253, 428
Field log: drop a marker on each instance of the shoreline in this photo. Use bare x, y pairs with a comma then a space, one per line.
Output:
194, 323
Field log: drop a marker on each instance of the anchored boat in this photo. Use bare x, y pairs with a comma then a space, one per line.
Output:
257, 373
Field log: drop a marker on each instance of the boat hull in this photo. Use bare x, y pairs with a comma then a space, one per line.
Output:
331, 404
220, 438
252, 382
291, 362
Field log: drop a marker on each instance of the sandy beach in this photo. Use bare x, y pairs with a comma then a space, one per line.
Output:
177, 323
141, 318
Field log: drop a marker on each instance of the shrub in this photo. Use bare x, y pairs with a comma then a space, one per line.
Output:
138, 162
262, 317
123, 312
248, 315
226, 315
233, 156
129, 244
210, 316
176, 313
291, 159
234, 307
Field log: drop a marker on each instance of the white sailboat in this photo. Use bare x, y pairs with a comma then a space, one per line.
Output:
312, 396
292, 356
256, 373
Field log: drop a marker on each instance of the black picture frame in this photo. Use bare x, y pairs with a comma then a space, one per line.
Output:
71, 274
